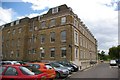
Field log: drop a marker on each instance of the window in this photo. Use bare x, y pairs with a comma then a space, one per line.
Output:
54, 10
12, 42
34, 38
12, 24
29, 51
42, 38
19, 30
52, 23
30, 40
75, 23
13, 31
63, 51
18, 42
52, 50
7, 43
81, 54
8, 32
76, 37
11, 71
80, 41
76, 52
33, 51
43, 24
17, 22
63, 20
30, 28
52, 37
18, 53
26, 71
43, 53
63, 36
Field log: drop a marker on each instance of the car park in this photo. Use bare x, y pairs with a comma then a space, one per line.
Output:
44, 68
19, 72
60, 71
113, 63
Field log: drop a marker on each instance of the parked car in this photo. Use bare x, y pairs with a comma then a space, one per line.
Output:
20, 72
118, 63
68, 67
60, 71
113, 63
9, 62
44, 68
69, 64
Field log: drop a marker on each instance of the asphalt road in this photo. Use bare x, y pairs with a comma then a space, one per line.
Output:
102, 70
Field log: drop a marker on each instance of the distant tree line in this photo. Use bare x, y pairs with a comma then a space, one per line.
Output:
114, 53
103, 56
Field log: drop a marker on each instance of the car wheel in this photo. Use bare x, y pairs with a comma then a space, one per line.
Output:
57, 75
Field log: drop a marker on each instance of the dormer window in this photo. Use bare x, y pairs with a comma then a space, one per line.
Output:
17, 22
54, 10
12, 24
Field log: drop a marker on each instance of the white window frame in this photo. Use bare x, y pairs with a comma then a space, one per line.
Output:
51, 34
12, 23
52, 49
17, 22
52, 22
19, 30
76, 38
65, 36
63, 48
63, 20
54, 10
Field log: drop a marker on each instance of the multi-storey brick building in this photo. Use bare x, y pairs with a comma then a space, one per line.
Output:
57, 35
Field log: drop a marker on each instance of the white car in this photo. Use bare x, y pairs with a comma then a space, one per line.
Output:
113, 63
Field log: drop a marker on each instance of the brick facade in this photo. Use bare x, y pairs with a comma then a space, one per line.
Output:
57, 35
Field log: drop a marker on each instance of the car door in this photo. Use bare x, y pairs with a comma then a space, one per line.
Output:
10, 74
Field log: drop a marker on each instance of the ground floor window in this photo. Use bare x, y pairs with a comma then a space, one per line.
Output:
63, 52
52, 50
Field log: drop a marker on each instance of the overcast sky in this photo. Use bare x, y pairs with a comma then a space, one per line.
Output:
100, 16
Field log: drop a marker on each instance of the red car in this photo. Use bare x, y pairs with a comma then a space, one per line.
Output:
51, 74
19, 72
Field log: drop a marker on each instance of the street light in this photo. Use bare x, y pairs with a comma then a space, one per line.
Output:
41, 52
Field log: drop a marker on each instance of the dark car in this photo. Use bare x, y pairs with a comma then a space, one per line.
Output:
69, 64
60, 71
118, 63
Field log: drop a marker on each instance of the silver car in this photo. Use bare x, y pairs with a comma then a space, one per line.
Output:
60, 71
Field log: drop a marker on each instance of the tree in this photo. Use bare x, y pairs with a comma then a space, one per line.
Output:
103, 56
114, 52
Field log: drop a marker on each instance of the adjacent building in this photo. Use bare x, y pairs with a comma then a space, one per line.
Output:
57, 35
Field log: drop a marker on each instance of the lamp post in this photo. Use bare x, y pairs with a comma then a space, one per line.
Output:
41, 52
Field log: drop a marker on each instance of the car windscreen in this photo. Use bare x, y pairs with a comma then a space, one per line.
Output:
35, 65
27, 70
